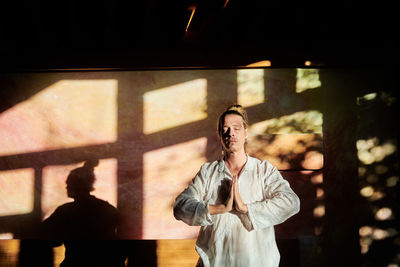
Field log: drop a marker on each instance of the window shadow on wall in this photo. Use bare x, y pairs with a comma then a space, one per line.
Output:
133, 142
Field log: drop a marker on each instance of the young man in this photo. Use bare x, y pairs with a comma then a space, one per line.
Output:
237, 201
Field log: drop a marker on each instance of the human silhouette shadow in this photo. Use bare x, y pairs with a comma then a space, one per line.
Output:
87, 226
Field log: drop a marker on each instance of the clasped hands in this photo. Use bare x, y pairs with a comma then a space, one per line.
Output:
234, 201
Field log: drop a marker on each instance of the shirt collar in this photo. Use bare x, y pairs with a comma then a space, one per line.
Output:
222, 166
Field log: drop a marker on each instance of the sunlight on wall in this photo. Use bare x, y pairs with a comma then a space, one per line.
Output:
262, 63
9, 250
4, 236
367, 97
370, 150
299, 122
16, 191
59, 255
371, 193
383, 214
175, 105
387, 98
319, 211
250, 87
378, 178
392, 181
180, 253
69, 113
288, 151
165, 178
370, 233
54, 191
320, 193
319, 206
317, 179
307, 79
367, 191
287, 140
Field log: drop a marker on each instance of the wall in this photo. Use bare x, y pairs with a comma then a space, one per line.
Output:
152, 130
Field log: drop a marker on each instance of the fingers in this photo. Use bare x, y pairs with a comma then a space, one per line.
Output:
239, 204
236, 185
229, 201
233, 187
234, 180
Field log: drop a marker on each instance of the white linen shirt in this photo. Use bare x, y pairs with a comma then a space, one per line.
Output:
233, 238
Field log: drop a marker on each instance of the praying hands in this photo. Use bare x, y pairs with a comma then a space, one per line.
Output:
234, 201
239, 204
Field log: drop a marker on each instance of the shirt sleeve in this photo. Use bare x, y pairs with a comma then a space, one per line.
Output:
280, 201
189, 205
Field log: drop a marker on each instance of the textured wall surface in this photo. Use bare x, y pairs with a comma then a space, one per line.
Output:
152, 130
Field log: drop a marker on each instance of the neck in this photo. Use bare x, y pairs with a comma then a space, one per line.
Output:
235, 159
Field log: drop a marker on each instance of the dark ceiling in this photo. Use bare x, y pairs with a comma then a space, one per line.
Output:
63, 34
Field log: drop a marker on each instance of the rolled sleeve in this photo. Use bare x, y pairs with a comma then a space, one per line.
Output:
189, 206
280, 203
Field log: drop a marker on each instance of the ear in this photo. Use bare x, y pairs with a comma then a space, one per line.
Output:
246, 132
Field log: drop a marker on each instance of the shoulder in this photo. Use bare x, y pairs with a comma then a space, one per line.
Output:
262, 166
210, 166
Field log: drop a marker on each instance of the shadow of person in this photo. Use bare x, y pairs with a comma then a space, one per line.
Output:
87, 226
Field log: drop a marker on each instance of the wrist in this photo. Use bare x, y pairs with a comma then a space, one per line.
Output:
242, 208
217, 209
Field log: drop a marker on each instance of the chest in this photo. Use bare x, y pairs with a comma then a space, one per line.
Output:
250, 187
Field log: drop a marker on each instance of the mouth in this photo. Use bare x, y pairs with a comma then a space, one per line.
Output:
230, 141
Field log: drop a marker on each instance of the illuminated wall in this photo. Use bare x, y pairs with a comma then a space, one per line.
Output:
377, 153
330, 133
151, 130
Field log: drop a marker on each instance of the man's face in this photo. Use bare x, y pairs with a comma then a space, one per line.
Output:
233, 133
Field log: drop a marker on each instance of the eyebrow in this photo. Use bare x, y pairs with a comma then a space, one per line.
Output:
233, 124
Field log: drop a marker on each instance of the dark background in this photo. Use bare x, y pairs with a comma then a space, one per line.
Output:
347, 37
147, 34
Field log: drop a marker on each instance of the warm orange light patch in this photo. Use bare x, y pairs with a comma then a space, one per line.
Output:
69, 113
180, 253
16, 191
9, 250
262, 63
282, 149
175, 105
250, 87
163, 180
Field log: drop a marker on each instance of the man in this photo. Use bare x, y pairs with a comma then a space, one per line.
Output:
237, 200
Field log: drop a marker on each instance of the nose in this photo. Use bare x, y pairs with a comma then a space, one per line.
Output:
229, 132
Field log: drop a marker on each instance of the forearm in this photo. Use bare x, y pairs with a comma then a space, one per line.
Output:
191, 211
273, 211
217, 209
